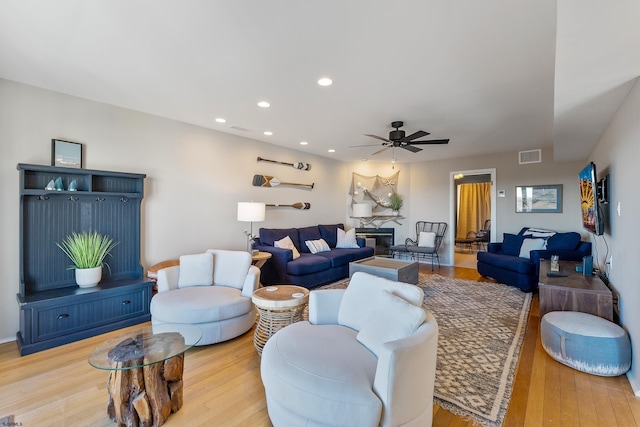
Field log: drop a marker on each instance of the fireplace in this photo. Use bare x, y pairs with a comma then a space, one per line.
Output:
380, 239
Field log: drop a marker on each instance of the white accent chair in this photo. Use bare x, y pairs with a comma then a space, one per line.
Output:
366, 357
210, 290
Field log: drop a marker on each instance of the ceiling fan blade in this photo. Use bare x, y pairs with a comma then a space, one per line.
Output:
366, 145
415, 135
433, 141
377, 137
411, 148
382, 150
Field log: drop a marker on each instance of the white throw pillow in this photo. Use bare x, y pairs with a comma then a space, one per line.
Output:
427, 239
287, 243
196, 270
392, 318
362, 293
316, 246
347, 239
529, 245
538, 232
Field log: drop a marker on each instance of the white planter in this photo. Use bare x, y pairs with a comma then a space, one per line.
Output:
88, 277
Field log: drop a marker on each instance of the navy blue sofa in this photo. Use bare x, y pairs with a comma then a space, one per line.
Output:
309, 270
503, 262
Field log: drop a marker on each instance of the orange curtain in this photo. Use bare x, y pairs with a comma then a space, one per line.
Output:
474, 207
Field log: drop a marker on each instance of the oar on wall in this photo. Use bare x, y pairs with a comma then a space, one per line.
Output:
297, 165
271, 181
299, 205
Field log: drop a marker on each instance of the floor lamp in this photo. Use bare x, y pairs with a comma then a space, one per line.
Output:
251, 212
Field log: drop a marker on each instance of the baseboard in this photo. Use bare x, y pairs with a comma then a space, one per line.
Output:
634, 385
6, 340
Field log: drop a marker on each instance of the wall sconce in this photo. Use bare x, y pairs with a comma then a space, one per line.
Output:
251, 212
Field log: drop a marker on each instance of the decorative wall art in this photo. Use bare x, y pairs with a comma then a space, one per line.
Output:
377, 189
297, 165
539, 199
271, 181
66, 154
299, 205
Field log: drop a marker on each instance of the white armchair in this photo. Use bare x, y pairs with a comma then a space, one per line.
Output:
366, 357
210, 290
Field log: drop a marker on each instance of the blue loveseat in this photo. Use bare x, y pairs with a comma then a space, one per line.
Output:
309, 270
511, 262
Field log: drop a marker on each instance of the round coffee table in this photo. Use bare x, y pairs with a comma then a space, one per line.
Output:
278, 306
146, 364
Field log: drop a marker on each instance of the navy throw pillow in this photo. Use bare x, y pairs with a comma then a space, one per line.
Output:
330, 233
270, 235
308, 233
511, 244
563, 241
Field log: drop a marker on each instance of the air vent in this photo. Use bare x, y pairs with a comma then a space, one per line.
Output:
529, 156
239, 128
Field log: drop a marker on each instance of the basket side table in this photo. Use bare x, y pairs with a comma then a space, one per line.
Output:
278, 306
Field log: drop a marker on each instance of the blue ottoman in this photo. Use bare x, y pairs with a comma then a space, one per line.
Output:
586, 342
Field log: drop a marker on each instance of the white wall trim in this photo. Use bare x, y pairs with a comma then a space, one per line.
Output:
452, 205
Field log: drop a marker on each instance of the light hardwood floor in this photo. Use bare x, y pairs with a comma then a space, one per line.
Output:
58, 387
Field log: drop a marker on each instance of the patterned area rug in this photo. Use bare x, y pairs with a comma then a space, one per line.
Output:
482, 327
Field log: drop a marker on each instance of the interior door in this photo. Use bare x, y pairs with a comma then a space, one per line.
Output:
473, 206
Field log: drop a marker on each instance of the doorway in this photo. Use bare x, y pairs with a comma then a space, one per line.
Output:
472, 195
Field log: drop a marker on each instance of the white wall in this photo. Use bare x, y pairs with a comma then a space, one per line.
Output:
430, 198
195, 177
617, 154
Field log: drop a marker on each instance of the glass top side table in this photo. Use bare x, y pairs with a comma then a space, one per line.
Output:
146, 367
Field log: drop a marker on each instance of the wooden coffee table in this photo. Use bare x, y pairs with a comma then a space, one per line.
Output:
278, 306
146, 366
389, 268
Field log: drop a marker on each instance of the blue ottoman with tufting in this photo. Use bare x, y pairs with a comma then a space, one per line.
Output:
586, 342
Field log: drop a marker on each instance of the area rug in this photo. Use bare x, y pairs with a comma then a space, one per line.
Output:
482, 326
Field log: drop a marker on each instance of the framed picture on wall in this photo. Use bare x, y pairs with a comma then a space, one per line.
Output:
539, 198
66, 154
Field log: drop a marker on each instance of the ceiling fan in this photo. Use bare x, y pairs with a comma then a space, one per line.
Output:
397, 138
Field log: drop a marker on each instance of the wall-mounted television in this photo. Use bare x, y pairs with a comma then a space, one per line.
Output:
592, 219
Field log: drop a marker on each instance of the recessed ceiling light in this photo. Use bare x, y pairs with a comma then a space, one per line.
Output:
264, 104
303, 143
268, 132
325, 81
220, 120
331, 150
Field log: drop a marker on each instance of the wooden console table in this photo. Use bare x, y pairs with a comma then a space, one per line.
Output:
574, 292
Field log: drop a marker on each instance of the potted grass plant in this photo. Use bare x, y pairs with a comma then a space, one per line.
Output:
87, 251
395, 202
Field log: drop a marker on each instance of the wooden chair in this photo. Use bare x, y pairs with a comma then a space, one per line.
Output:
483, 236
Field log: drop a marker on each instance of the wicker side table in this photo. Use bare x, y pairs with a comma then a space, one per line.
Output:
278, 306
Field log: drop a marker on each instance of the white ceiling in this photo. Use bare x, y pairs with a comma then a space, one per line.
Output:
491, 75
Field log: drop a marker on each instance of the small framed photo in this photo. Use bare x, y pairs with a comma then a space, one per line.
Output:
66, 154
539, 199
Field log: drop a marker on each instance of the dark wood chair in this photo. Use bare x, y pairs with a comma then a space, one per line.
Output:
483, 236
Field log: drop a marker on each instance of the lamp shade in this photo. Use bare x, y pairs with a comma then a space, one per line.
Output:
361, 210
251, 211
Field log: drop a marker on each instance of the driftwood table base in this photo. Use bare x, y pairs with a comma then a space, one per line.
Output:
146, 367
145, 396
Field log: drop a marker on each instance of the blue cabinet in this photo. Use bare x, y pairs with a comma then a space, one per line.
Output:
53, 309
